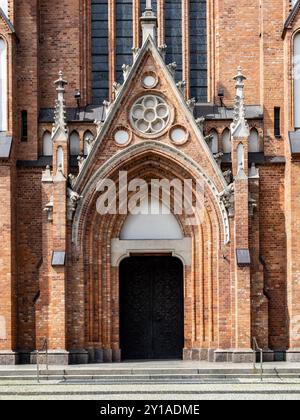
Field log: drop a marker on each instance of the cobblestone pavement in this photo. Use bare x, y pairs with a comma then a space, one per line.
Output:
240, 390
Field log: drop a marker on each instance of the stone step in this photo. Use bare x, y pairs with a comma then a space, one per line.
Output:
125, 376
131, 372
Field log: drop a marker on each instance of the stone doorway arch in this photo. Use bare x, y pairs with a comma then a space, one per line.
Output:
98, 252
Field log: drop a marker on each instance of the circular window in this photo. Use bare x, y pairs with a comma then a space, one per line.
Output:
178, 134
149, 80
122, 136
150, 114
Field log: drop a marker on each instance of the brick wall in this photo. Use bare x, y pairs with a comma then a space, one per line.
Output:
29, 253
52, 36
27, 75
59, 48
273, 250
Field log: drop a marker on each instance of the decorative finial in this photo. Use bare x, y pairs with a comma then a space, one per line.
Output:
172, 69
163, 50
239, 127
108, 106
149, 23
148, 5
191, 103
60, 130
126, 70
181, 87
117, 87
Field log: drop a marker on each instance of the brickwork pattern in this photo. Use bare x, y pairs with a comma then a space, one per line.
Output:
76, 307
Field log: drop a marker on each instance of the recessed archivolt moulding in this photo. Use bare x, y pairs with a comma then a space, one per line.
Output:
135, 150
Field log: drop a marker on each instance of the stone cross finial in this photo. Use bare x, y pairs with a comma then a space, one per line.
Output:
60, 130
149, 23
239, 127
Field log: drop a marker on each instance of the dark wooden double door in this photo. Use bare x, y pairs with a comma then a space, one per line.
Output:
151, 308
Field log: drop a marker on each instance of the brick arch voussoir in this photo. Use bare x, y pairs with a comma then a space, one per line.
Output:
147, 163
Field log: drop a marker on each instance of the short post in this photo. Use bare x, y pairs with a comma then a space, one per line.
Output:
261, 364
254, 357
38, 366
47, 361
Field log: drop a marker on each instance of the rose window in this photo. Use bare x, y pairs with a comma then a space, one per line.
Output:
150, 114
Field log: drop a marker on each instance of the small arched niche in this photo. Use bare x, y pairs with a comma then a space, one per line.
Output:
226, 141
240, 157
154, 222
74, 144
47, 144
60, 158
255, 145
214, 142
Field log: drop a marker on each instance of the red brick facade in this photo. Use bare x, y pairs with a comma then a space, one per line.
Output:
227, 301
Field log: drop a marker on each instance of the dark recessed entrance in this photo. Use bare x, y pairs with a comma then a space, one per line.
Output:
151, 312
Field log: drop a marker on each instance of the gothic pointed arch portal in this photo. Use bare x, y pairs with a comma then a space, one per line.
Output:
98, 251
150, 133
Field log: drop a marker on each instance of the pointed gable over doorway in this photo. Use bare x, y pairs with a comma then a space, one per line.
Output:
149, 77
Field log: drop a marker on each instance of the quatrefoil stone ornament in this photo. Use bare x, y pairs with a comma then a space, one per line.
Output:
150, 114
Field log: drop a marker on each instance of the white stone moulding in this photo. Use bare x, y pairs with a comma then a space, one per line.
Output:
181, 249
